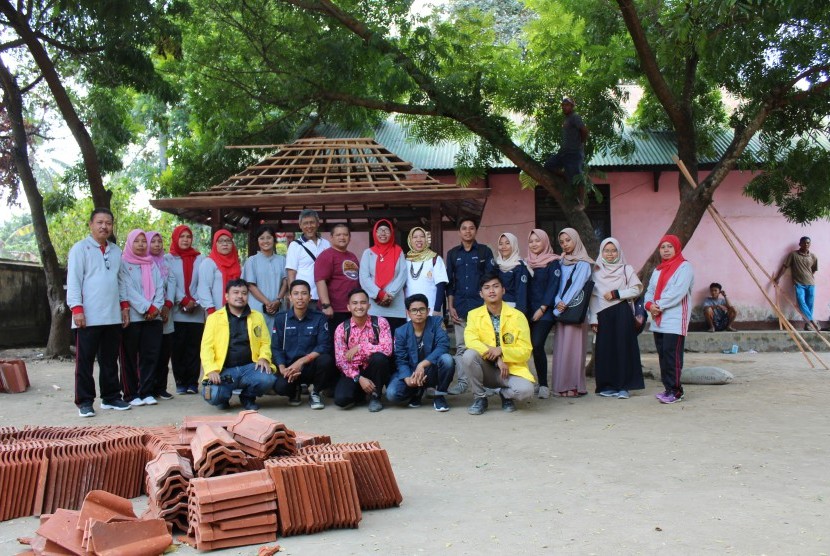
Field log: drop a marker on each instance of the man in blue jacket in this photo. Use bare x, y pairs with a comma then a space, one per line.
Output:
301, 347
422, 357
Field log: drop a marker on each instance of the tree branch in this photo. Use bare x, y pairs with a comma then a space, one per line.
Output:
377, 104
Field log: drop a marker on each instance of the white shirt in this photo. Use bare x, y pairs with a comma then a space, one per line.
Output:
422, 277
297, 259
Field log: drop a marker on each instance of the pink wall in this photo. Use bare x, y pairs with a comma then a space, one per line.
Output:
639, 217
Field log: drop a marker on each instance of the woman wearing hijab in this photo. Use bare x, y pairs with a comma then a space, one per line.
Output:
426, 271
265, 274
383, 275
668, 299
570, 341
142, 289
513, 272
188, 316
220, 267
544, 285
156, 244
617, 365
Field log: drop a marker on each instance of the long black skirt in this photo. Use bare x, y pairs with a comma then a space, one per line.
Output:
617, 363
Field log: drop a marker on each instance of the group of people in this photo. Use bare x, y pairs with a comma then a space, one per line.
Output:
320, 317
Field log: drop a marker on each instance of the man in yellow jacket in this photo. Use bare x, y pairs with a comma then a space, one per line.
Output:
497, 337
236, 351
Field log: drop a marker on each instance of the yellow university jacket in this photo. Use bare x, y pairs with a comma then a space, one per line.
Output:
217, 336
515, 337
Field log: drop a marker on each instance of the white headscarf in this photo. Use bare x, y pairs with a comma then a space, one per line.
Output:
511, 262
611, 276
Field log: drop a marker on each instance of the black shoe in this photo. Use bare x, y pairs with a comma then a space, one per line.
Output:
165, 395
415, 400
375, 404
86, 411
479, 406
296, 397
116, 404
507, 404
249, 405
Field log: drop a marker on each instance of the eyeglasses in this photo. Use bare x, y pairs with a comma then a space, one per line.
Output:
418, 311
224, 241
107, 260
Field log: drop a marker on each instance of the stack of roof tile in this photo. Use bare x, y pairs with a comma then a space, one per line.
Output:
375, 480
310, 439
168, 477
262, 437
232, 510
305, 502
23, 468
13, 376
106, 526
342, 487
215, 452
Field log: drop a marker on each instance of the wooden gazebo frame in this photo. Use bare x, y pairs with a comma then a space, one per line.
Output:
356, 181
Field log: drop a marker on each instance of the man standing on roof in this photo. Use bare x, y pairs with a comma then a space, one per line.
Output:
303, 252
466, 264
571, 155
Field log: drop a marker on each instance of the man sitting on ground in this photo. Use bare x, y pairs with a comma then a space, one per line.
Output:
302, 348
498, 348
362, 350
720, 314
236, 351
422, 356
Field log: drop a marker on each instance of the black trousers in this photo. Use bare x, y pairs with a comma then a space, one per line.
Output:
539, 332
378, 370
187, 340
320, 372
141, 343
163, 365
670, 352
101, 342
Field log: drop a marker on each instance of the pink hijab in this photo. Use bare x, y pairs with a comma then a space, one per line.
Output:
159, 260
546, 256
146, 263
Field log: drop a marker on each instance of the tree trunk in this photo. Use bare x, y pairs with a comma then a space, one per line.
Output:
59, 330
100, 195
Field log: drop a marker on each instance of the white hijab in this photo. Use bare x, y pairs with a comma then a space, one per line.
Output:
616, 275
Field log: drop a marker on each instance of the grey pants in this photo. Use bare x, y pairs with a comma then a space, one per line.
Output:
460, 348
484, 374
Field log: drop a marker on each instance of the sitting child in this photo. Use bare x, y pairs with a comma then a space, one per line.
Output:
720, 314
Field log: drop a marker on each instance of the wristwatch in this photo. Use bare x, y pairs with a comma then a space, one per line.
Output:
325, 305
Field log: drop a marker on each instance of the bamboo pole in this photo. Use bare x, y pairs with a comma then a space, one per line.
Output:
722, 226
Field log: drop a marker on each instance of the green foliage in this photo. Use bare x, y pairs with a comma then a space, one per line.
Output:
17, 239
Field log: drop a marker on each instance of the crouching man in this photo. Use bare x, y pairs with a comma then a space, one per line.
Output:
302, 347
362, 350
498, 348
236, 351
422, 356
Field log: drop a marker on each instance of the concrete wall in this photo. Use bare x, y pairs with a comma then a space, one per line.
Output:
24, 308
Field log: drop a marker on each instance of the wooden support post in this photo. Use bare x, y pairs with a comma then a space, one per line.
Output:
435, 228
215, 222
253, 244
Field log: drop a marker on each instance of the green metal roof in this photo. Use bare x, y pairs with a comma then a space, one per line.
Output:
651, 149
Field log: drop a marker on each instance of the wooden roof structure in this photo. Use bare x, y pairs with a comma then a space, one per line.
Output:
355, 180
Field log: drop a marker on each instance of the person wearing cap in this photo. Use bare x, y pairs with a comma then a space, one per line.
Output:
803, 265
571, 154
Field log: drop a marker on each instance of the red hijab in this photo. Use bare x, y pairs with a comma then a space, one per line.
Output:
668, 268
188, 257
388, 254
228, 264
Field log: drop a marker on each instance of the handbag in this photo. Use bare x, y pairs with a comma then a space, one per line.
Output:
638, 311
577, 308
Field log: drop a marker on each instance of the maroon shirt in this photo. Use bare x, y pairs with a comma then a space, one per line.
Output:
341, 273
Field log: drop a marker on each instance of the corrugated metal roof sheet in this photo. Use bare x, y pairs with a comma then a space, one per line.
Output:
651, 148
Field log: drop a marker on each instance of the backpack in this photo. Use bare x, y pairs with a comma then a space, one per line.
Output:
347, 329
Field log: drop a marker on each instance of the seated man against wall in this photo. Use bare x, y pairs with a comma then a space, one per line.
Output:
362, 350
302, 348
720, 314
498, 348
236, 351
422, 357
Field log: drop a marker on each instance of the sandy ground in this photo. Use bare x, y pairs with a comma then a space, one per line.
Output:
736, 469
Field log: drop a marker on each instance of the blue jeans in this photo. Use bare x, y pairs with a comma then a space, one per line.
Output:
251, 381
570, 163
438, 376
805, 294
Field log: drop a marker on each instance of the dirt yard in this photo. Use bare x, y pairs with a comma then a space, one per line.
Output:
737, 469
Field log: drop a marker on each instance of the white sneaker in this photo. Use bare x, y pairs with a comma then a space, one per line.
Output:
149, 400
544, 393
135, 402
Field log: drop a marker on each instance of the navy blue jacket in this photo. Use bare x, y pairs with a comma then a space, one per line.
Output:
293, 338
544, 285
436, 344
464, 270
516, 286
